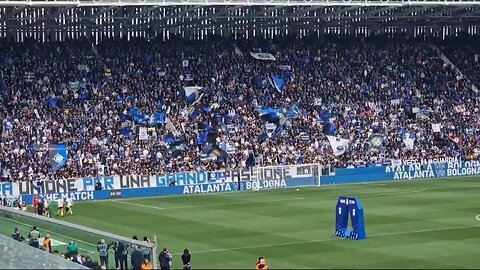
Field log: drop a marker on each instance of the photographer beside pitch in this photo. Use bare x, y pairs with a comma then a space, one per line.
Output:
165, 259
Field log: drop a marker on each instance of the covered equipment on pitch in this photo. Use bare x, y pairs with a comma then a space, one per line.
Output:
349, 207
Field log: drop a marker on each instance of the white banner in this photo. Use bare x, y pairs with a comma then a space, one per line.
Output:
285, 67
277, 174
339, 146
436, 127
395, 101
263, 56
142, 134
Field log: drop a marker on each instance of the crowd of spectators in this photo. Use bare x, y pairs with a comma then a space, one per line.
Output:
367, 85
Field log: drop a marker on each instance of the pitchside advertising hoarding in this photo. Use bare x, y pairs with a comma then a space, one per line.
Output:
167, 184
133, 186
433, 168
404, 170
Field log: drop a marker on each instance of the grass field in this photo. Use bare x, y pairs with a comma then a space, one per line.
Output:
410, 224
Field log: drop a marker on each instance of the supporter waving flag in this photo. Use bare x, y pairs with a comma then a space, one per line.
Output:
375, 143
339, 146
58, 155
293, 111
194, 94
279, 83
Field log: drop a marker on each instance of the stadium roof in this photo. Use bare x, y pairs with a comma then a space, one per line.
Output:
180, 15
92, 3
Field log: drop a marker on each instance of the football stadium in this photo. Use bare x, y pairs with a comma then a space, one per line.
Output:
226, 134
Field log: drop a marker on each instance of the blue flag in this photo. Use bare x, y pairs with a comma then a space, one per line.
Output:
257, 80
278, 131
58, 155
194, 93
293, 111
202, 139
279, 83
144, 119
84, 95
288, 76
270, 117
329, 129
325, 116
169, 139
126, 132
53, 102
262, 137
269, 110
157, 118
133, 111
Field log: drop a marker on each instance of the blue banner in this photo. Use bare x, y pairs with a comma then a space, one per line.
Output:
407, 170
175, 190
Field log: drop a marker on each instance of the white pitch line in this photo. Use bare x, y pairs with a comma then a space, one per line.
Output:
265, 201
287, 189
204, 205
331, 239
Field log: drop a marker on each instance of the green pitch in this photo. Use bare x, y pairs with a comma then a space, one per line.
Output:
409, 224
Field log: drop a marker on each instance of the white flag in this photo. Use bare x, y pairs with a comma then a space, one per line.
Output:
237, 50
269, 129
436, 127
263, 56
339, 146
185, 63
142, 134
409, 143
101, 170
170, 126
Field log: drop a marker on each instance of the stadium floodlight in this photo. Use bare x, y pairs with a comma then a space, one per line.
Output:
62, 233
94, 3
349, 207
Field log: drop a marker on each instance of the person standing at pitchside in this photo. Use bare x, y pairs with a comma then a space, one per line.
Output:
186, 260
35, 204
34, 237
262, 264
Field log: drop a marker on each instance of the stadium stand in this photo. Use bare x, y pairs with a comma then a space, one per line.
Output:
77, 93
119, 104
355, 77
